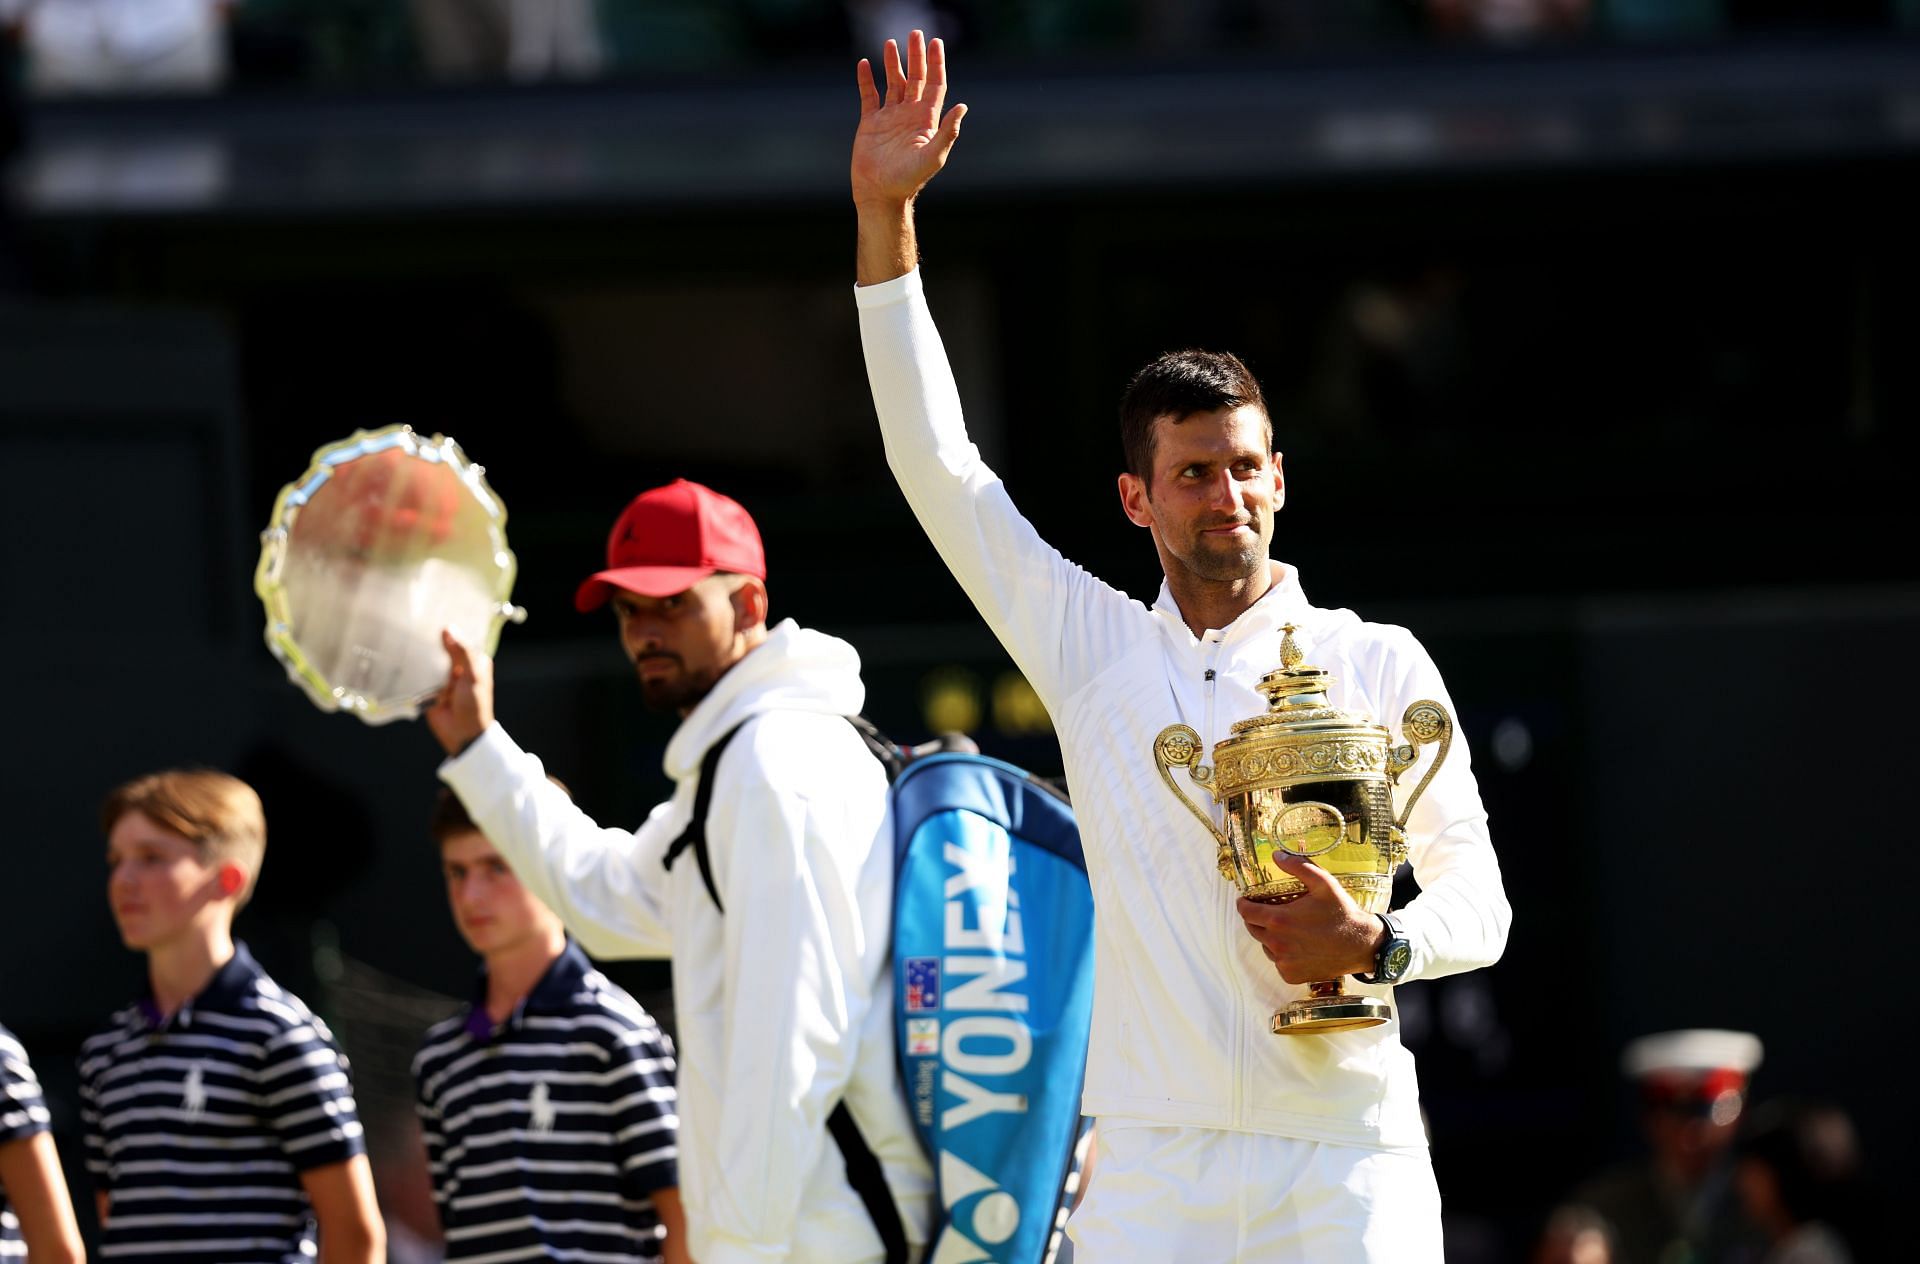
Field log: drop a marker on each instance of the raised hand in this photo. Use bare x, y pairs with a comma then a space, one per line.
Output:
464, 708
903, 139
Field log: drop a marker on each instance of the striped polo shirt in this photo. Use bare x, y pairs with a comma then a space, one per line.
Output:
199, 1124
548, 1133
23, 1112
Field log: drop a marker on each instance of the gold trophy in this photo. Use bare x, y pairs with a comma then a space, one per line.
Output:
1316, 782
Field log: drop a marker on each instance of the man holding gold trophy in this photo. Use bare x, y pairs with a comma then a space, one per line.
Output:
1253, 1103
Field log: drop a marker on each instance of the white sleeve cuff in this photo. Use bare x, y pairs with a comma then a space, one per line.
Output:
492, 740
483, 764
886, 293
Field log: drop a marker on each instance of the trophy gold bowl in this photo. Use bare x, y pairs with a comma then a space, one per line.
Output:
1313, 781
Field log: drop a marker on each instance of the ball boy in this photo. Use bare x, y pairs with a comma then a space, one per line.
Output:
548, 1105
219, 1112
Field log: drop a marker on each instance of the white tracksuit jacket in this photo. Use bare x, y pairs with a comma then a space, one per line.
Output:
1182, 994
784, 1002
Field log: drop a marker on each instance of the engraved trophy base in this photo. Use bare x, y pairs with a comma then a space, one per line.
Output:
1330, 1009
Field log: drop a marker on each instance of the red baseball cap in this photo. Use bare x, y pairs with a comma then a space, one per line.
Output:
671, 538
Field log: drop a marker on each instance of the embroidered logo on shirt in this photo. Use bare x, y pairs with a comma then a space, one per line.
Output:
540, 1109
923, 1037
923, 983
193, 1098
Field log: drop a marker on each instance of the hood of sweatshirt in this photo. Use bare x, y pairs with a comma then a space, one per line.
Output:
794, 669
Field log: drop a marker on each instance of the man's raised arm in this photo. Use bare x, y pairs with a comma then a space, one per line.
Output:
1026, 591
902, 143
606, 884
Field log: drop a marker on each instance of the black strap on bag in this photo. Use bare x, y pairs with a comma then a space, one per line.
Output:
868, 1181
695, 835
890, 754
864, 1173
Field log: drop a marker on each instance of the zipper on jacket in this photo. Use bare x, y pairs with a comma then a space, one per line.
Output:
1238, 1026
1210, 680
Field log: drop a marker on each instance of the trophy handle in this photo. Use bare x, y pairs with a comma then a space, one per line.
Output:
1425, 722
1179, 747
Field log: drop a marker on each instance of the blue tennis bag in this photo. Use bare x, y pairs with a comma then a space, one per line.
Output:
993, 971
993, 978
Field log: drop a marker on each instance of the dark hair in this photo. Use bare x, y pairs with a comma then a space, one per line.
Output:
1178, 385
450, 815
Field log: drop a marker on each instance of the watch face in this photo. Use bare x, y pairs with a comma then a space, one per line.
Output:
1398, 958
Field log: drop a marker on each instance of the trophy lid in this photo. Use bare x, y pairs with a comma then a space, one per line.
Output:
1297, 695
1294, 684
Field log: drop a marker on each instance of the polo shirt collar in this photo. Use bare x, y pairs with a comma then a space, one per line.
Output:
231, 984
551, 994
1285, 600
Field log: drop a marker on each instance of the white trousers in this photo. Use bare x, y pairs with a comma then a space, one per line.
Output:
1205, 1196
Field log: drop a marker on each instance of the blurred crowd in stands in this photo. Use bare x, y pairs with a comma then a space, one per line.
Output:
75, 47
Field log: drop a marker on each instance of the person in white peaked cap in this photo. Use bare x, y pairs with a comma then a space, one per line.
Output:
1678, 1202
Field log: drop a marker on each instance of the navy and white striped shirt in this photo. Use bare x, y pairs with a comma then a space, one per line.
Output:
548, 1134
199, 1126
23, 1112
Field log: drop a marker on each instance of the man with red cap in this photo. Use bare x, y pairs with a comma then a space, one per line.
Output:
795, 1143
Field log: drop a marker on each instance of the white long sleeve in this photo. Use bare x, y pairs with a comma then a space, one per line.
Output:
1460, 919
992, 550
605, 883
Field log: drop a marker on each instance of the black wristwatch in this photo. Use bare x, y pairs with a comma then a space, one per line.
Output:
1395, 954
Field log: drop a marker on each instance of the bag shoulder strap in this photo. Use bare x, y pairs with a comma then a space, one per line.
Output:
892, 756
869, 1181
863, 1168
695, 835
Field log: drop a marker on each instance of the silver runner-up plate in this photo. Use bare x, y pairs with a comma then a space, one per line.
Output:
387, 539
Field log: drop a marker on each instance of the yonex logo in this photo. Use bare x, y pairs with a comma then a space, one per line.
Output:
993, 1217
981, 1042
986, 1044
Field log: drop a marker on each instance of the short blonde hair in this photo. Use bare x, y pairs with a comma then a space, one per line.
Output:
221, 815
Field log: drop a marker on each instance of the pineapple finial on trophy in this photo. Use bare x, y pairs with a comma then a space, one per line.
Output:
1295, 686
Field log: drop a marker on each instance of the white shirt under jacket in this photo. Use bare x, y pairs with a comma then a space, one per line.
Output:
1182, 994
784, 1001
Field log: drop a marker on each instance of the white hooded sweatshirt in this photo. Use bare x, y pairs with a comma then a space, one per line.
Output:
1182, 993
784, 1000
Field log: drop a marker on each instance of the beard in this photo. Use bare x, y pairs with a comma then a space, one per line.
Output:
676, 693
1224, 560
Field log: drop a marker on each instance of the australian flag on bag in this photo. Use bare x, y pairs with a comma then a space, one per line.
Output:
993, 970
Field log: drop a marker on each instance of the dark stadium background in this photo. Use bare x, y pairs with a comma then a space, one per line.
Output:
1593, 358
